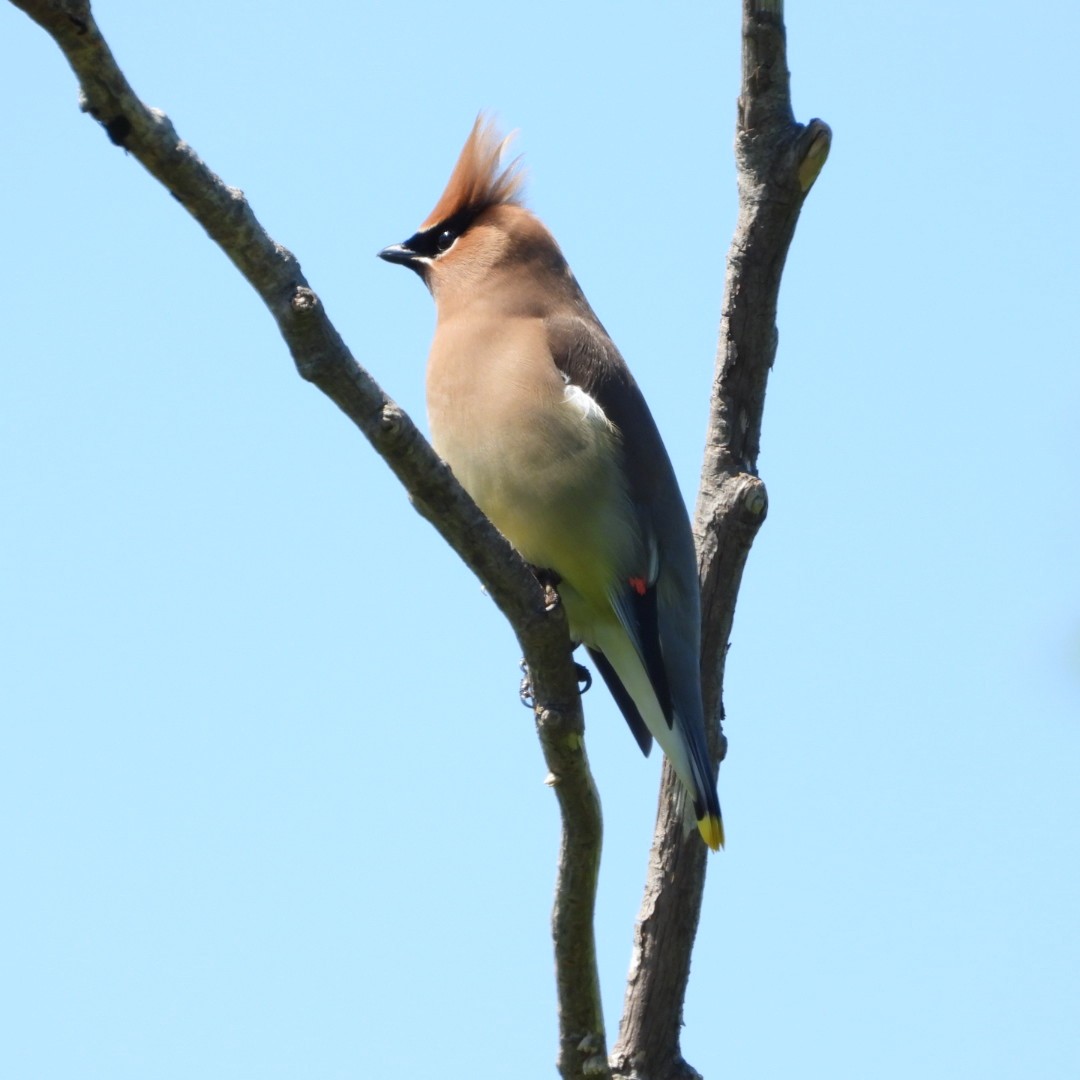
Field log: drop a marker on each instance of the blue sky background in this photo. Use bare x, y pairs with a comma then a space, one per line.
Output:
269, 805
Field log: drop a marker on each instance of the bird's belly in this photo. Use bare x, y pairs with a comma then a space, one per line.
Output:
550, 478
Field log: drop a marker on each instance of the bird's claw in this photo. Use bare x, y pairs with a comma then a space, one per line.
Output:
525, 690
549, 581
584, 676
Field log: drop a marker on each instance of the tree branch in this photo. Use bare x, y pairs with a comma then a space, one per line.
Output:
322, 358
778, 161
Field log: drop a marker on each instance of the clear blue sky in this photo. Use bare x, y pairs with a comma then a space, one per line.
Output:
269, 806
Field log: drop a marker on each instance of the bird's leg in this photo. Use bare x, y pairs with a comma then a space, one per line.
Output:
584, 676
550, 582
525, 691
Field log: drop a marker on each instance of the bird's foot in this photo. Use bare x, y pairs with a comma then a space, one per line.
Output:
584, 677
550, 582
525, 690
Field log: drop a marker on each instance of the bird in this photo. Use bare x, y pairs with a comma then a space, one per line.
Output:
538, 416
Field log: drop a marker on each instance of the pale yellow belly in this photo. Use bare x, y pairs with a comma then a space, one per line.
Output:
552, 484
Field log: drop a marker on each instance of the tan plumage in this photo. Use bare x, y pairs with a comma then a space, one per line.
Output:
534, 409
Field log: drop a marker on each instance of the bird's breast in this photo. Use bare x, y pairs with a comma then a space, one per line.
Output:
537, 455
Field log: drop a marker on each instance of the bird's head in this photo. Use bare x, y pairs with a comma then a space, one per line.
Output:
479, 225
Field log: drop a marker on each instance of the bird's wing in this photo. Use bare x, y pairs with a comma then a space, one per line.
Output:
657, 601
588, 359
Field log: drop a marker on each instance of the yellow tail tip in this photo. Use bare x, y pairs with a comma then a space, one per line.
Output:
712, 831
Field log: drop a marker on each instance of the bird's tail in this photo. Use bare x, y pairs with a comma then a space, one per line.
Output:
709, 823
711, 827
706, 802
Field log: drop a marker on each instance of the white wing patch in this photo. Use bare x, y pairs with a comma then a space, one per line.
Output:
584, 404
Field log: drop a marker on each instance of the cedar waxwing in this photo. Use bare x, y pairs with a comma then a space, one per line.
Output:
541, 421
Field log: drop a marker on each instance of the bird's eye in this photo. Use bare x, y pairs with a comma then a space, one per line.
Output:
446, 238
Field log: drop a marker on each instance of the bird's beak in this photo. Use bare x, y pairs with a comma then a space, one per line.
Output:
398, 253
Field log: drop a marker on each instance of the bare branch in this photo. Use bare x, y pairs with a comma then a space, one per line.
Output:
322, 358
778, 161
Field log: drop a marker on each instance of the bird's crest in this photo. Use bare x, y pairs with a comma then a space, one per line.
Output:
477, 181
